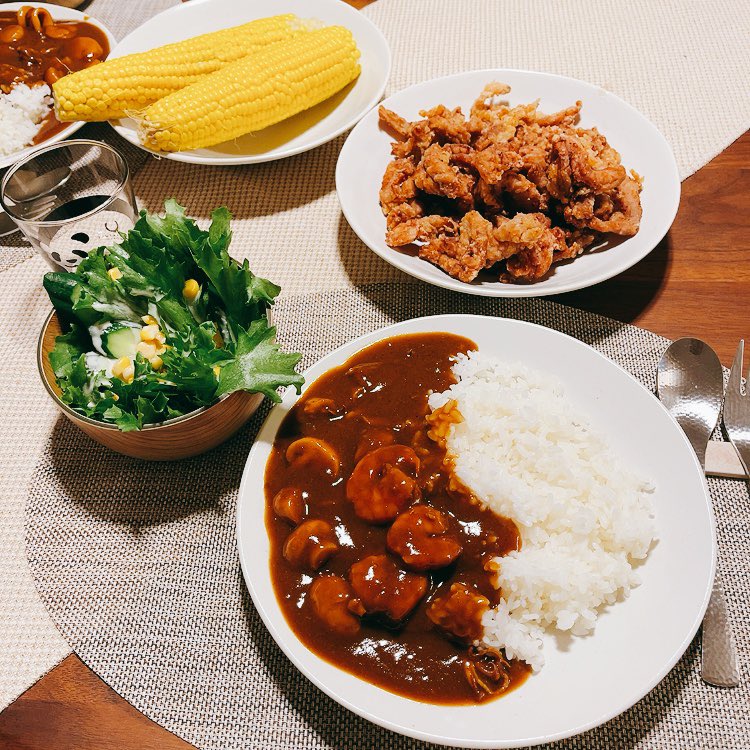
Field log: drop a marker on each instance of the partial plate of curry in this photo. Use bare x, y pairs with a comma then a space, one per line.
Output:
30, 55
367, 560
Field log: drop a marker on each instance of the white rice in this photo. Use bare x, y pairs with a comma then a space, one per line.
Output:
21, 113
527, 453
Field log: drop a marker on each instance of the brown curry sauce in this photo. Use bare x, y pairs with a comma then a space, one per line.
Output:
384, 389
34, 49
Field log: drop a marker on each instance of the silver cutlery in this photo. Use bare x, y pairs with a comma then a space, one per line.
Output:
737, 410
690, 385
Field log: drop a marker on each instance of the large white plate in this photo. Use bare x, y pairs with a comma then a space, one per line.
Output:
366, 153
59, 13
306, 130
636, 642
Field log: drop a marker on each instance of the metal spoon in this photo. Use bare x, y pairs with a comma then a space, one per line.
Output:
690, 385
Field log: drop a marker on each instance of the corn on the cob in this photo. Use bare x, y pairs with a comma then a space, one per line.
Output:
254, 92
130, 83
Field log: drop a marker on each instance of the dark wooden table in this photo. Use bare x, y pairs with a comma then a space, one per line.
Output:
695, 283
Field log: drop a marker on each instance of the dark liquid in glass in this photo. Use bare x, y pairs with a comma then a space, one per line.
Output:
77, 207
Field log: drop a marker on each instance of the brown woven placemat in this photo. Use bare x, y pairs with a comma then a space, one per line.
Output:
138, 567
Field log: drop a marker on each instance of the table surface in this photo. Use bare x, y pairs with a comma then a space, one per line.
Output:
696, 282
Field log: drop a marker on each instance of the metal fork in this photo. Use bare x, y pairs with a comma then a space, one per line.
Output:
736, 416
737, 409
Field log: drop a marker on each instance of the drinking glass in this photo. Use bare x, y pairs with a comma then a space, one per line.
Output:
69, 198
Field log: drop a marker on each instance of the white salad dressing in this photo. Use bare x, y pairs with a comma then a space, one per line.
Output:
96, 363
95, 332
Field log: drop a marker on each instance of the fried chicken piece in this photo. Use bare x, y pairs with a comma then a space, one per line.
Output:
524, 193
448, 254
462, 257
447, 125
579, 211
596, 166
437, 175
559, 181
492, 163
398, 193
421, 230
487, 197
604, 206
486, 99
477, 233
402, 214
530, 263
412, 138
499, 125
533, 145
398, 185
572, 242
518, 167
626, 217
394, 124
527, 243
617, 213
565, 117
419, 140
593, 140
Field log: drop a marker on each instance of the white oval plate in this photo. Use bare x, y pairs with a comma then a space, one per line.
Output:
61, 13
636, 642
304, 131
367, 151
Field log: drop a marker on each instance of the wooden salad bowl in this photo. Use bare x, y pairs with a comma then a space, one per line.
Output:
182, 437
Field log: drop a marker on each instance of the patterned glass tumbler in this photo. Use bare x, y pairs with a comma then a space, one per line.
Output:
69, 198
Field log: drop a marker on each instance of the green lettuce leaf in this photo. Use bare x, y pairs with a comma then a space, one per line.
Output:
259, 365
90, 296
68, 350
124, 420
243, 297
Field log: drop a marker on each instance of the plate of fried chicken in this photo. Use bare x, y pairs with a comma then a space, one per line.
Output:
508, 183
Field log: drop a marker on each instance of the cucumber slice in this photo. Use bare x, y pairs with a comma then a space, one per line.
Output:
120, 340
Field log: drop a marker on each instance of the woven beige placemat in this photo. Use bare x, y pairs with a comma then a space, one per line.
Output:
29, 643
684, 64
137, 564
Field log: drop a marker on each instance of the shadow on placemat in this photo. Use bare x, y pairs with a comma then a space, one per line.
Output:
135, 493
249, 191
137, 564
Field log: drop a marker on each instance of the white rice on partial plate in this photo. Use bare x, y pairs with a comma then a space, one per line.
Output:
527, 453
21, 113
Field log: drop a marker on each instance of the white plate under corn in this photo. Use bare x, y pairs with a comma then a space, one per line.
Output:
304, 131
367, 151
586, 681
